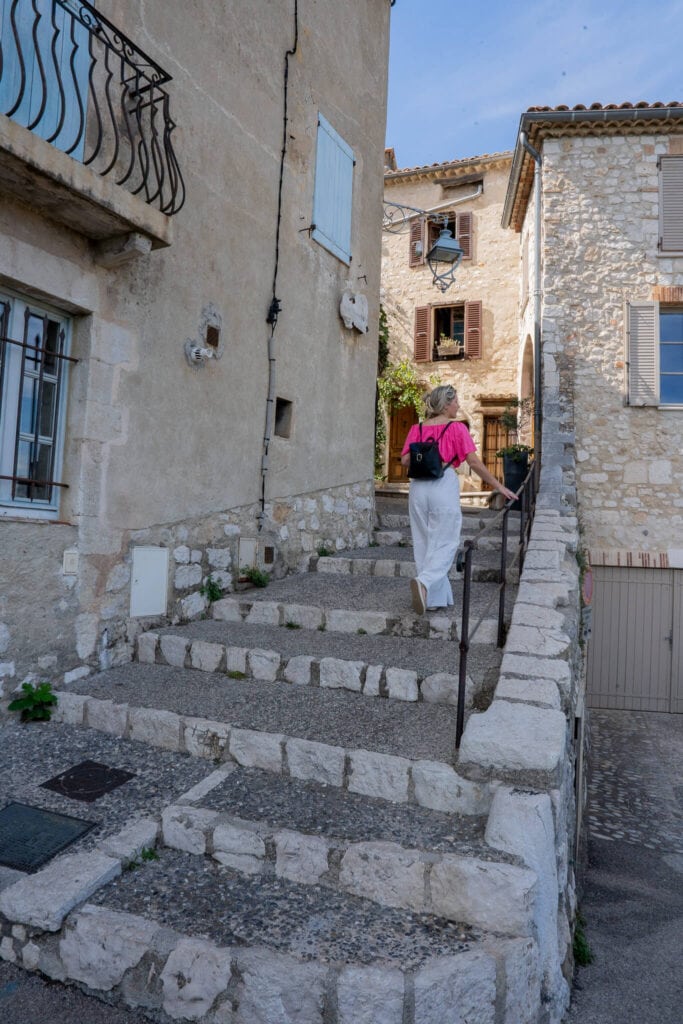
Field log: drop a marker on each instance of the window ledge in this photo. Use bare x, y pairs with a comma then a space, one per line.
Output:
37, 173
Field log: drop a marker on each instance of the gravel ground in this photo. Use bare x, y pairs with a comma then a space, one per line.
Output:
322, 810
30, 999
33, 753
197, 897
337, 717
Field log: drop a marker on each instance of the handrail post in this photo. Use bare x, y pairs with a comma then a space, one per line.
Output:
464, 642
503, 578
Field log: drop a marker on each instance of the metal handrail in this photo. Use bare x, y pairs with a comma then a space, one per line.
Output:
70, 76
526, 496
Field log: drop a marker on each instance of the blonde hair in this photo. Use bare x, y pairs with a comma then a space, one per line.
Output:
437, 400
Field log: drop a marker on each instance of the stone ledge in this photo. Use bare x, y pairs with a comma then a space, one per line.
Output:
513, 737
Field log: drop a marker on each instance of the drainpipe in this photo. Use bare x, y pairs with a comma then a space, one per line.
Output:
538, 377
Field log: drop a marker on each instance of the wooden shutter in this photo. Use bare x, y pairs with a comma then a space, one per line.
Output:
643, 361
416, 254
473, 329
422, 343
463, 233
671, 204
333, 192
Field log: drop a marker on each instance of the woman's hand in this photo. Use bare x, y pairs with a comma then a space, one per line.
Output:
510, 495
480, 469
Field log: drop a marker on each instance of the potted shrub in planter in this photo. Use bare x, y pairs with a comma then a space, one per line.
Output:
515, 466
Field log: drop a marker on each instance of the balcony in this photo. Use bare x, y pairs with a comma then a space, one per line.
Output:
85, 124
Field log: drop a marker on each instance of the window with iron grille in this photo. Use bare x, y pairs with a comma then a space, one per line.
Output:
34, 342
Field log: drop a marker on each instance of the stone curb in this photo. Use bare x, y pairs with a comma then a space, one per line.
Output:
301, 670
431, 784
489, 894
136, 962
390, 567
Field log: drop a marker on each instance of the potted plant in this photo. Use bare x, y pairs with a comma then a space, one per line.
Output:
515, 466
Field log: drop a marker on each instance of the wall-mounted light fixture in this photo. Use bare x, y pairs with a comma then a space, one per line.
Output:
444, 258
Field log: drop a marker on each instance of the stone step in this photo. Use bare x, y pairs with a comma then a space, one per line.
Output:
388, 749
397, 560
377, 666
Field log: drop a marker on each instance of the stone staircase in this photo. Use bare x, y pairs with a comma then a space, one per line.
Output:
329, 862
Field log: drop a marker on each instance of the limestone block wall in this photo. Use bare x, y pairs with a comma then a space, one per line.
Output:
600, 233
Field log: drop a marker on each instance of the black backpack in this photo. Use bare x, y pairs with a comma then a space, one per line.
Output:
425, 460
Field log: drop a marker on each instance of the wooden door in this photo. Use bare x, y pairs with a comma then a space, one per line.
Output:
495, 437
400, 422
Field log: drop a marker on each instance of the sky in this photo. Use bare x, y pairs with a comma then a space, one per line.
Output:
461, 73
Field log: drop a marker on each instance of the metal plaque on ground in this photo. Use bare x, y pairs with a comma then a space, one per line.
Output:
88, 781
30, 836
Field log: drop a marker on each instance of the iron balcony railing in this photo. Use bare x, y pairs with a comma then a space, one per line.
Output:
71, 77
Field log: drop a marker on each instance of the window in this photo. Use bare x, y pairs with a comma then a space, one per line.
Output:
33, 368
671, 204
655, 354
333, 196
424, 233
448, 332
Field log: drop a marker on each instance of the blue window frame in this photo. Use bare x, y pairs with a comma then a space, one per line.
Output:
333, 195
670, 356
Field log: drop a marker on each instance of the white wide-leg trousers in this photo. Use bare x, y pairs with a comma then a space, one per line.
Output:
435, 523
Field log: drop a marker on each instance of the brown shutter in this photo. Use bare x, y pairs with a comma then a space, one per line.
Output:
464, 234
671, 204
422, 345
473, 330
642, 353
416, 253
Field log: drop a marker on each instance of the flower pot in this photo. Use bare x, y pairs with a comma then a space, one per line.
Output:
515, 469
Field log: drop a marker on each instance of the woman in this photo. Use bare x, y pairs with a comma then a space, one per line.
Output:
434, 505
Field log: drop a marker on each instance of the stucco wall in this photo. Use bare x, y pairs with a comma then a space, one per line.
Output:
152, 444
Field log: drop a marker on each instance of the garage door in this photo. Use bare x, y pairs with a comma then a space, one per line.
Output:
635, 653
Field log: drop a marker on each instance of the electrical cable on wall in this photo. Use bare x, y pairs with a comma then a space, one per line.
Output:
275, 305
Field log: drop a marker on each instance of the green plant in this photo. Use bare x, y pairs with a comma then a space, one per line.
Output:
36, 704
321, 627
233, 673
373, 544
148, 853
516, 452
257, 577
292, 625
211, 589
400, 386
582, 951
362, 632
323, 551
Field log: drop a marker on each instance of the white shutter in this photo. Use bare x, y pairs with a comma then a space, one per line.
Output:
333, 192
643, 353
671, 204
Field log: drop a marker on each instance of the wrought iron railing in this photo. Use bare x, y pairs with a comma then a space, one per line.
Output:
525, 505
71, 77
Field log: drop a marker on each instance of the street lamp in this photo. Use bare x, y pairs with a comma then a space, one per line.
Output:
443, 259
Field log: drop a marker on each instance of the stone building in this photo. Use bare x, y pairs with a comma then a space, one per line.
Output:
176, 189
467, 335
596, 198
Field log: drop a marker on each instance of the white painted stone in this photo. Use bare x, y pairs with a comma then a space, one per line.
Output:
536, 615
488, 895
538, 668
118, 578
158, 728
316, 761
440, 688
342, 621
19, 932
385, 567
70, 708
380, 775
184, 827
544, 643
370, 995
440, 627
373, 678
77, 673
333, 566
263, 664
278, 989
300, 858
192, 606
298, 670
456, 990
100, 945
196, 793
195, 974
219, 558
204, 738
106, 716
7, 951
206, 657
195, 555
226, 610
5, 637
386, 873
147, 644
439, 787
187, 576
257, 749
265, 613
174, 650
44, 899
548, 595
238, 846
181, 554
407, 570
128, 844
304, 615
236, 659
515, 737
337, 673
401, 684
532, 691
87, 630
522, 978
360, 566
30, 956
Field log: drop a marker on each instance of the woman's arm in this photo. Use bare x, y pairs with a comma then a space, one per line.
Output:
480, 469
405, 460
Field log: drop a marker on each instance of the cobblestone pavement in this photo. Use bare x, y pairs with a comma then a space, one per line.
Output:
632, 899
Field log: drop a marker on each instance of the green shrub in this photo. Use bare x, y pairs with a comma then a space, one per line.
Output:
211, 589
36, 704
257, 577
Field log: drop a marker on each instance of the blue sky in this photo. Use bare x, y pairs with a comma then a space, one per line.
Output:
460, 74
